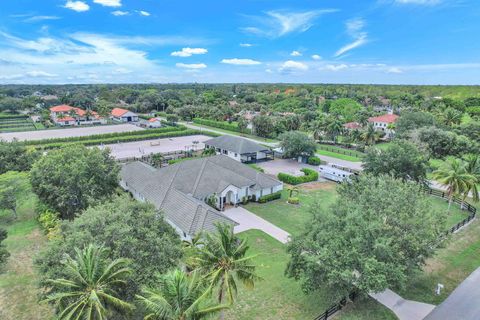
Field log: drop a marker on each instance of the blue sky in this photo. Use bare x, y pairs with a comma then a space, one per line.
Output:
327, 41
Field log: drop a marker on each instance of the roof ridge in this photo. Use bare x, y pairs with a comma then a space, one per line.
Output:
200, 174
169, 186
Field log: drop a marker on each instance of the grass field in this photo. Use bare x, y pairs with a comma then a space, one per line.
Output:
18, 290
16, 124
339, 153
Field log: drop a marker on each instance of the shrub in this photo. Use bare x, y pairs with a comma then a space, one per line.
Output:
270, 197
220, 125
310, 175
50, 222
293, 200
314, 161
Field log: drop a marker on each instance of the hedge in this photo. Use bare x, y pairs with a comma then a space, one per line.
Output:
270, 197
310, 175
314, 161
13, 116
106, 136
150, 136
220, 125
293, 200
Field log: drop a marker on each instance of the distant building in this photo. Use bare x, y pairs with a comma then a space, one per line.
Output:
65, 115
240, 149
381, 123
123, 115
154, 123
352, 125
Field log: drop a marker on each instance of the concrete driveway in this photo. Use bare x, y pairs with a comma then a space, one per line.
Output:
247, 220
289, 166
403, 309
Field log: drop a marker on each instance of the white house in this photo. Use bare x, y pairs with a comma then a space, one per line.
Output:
154, 123
381, 123
193, 193
123, 115
240, 149
65, 115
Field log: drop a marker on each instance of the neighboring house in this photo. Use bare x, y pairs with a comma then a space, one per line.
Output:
123, 115
240, 149
154, 123
182, 190
381, 123
65, 115
462, 303
335, 174
352, 126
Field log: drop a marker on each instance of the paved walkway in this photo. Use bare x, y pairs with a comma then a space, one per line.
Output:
248, 220
403, 309
344, 163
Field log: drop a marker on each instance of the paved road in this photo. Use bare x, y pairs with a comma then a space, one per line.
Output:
247, 220
403, 309
70, 132
344, 163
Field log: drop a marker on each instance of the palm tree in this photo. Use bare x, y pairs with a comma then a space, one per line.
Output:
293, 190
370, 135
179, 296
451, 116
223, 260
473, 167
454, 175
88, 290
334, 128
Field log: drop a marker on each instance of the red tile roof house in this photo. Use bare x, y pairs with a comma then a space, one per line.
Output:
154, 123
65, 115
381, 123
123, 115
352, 125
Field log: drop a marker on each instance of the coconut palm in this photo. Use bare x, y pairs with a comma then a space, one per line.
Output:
224, 262
334, 127
454, 175
179, 296
370, 135
88, 290
293, 190
473, 167
451, 116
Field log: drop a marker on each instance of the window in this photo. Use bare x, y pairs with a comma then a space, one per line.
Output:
236, 155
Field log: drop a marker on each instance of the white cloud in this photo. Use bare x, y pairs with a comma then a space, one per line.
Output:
316, 57
144, 13
120, 13
188, 52
337, 67
296, 53
191, 65
41, 18
246, 45
280, 23
109, 3
354, 29
241, 62
292, 66
394, 70
421, 2
78, 6
37, 73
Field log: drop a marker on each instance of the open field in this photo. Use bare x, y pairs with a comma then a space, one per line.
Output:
15, 124
70, 132
18, 285
141, 148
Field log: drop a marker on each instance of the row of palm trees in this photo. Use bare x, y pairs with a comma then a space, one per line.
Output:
206, 285
461, 176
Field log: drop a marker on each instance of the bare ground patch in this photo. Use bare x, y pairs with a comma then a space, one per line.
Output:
318, 186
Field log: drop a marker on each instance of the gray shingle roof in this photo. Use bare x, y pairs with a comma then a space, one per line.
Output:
235, 144
180, 189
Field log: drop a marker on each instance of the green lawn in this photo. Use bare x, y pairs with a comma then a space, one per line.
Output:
279, 297
292, 218
383, 145
18, 284
450, 266
339, 153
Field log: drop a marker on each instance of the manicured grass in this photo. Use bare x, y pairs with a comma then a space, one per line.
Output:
338, 149
18, 284
279, 297
450, 266
339, 155
383, 145
292, 218
260, 139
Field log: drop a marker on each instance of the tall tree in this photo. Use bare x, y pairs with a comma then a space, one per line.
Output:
179, 296
72, 178
378, 231
473, 168
88, 290
296, 143
14, 156
8, 200
369, 135
224, 261
453, 173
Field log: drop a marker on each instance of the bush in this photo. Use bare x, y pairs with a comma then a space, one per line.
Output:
220, 125
50, 222
314, 161
293, 200
270, 197
310, 175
